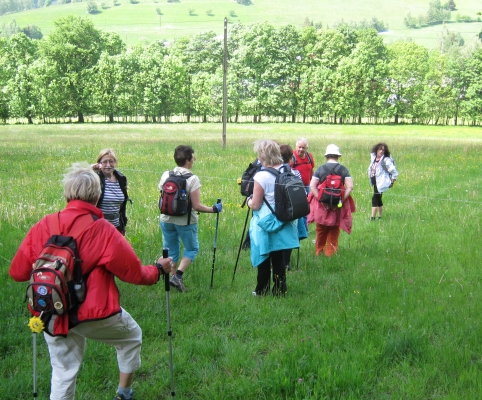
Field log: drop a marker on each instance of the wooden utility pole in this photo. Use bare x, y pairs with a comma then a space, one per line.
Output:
225, 91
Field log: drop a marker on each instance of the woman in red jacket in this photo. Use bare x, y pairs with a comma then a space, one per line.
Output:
105, 254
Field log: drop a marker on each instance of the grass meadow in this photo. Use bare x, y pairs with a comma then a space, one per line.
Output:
394, 315
140, 22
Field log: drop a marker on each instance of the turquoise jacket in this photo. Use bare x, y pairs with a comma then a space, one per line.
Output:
268, 234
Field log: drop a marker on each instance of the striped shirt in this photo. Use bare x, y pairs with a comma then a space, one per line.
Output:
112, 201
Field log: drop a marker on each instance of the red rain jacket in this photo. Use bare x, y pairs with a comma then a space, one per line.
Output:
105, 253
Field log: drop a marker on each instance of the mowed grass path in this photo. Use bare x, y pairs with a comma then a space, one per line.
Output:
395, 315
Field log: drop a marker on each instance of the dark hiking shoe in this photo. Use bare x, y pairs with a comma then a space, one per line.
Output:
177, 283
122, 397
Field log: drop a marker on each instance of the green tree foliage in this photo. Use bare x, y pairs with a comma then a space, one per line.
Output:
284, 74
74, 47
472, 106
20, 89
450, 5
407, 67
33, 32
9, 29
92, 7
436, 14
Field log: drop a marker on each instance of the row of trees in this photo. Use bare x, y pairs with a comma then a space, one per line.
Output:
283, 74
437, 13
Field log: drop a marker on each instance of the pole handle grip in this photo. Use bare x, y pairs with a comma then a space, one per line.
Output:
165, 254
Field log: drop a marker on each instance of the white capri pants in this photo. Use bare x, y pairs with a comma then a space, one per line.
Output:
66, 353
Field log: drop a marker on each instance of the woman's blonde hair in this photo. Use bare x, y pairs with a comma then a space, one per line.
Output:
81, 183
107, 152
268, 151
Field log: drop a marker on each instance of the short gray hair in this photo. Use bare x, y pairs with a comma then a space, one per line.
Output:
302, 139
268, 151
81, 183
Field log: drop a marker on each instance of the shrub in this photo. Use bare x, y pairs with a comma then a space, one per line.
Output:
463, 18
92, 7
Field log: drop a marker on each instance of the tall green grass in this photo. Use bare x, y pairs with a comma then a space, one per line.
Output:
395, 315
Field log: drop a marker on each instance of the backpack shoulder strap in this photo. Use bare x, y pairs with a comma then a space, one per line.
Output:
327, 171
269, 205
286, 167
294, 160
274, 171
337, 169
310, 160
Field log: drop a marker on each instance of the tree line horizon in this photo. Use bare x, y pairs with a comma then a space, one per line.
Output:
274, 74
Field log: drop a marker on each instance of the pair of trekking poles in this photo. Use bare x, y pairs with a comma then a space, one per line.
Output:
167, 286
36, 324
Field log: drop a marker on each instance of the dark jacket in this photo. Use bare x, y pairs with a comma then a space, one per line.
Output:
123, 186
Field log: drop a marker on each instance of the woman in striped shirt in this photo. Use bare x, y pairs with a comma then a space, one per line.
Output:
114, 196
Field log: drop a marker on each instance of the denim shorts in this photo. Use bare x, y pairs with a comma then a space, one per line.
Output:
172, 235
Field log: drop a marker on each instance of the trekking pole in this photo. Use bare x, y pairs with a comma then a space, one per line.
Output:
214, 251
34, 339
298, 258
165, 254
36, 325
241, 243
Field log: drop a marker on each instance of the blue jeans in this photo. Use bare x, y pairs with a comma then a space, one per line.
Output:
172, 235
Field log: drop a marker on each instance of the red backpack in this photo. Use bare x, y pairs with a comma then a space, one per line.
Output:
331, 190
174, 199
56, 283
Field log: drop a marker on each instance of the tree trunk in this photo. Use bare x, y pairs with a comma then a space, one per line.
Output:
80, 116
111, 118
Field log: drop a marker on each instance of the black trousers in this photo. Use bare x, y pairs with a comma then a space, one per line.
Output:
276, 262
377, 197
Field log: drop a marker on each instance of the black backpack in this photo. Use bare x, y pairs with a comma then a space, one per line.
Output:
246, 182
290, 198
173, 199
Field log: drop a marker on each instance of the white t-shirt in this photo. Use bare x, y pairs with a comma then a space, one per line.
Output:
267, 181
192, 184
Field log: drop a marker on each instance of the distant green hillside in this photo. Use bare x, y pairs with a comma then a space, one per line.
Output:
140, 22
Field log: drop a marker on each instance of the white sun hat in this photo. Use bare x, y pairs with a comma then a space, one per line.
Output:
332, 149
